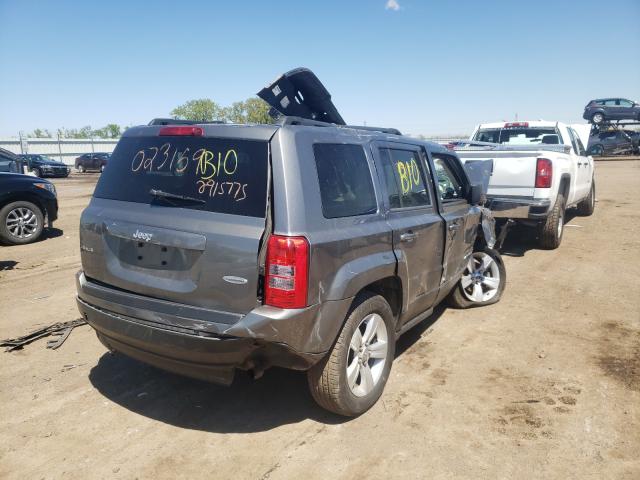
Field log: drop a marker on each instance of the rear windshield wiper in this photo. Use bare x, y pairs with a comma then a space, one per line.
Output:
174, 196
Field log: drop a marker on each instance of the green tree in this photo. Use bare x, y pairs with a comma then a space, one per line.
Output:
257, 111
201, 110
40, 133
236, 113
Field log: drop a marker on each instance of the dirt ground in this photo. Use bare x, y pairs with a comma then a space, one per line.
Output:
545, 384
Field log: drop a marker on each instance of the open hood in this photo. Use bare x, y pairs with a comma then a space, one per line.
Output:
299, 93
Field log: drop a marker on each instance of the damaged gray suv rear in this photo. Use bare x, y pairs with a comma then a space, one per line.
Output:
307, 245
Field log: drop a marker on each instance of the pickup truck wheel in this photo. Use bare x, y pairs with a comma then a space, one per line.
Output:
550, 233
588, 205
350, 379
597, 118
20, 223
482, 281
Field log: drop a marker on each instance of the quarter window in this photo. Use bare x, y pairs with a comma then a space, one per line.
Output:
449, 184
346, 187
405, 178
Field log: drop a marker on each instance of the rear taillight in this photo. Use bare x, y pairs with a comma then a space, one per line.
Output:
287, 268
182, 130
544, 173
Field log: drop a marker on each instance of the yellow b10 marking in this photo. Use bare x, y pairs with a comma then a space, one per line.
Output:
207, 166
409, 175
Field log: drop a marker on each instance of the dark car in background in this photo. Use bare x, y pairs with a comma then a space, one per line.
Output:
43, 166
606, 109
615, 142
92, 161
27, 203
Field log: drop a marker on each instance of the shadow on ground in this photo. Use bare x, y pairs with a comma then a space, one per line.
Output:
52, 232
520, 239
279, 398
6, 265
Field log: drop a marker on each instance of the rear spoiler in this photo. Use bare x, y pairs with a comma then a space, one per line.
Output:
467, 145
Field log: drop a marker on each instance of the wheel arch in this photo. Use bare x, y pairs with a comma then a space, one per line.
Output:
24, 197
565, 185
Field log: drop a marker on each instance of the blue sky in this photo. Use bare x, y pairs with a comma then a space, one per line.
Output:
426, 67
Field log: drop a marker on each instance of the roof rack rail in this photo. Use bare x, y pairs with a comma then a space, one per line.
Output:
175, 121
290, 120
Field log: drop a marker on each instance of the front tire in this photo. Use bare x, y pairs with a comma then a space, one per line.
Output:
588, 205
482, 282
351, 378
553, 227
101, 168
20, 223
81, 169
597, 118
37, 172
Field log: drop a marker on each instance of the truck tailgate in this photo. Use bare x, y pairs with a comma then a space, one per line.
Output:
513, 172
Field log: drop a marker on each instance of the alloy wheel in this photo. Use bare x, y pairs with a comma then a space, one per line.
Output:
481, 278
22, 222
367, 355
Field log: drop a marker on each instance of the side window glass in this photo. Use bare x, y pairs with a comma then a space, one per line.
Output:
449, 184
346, 186
625, 103
405, 178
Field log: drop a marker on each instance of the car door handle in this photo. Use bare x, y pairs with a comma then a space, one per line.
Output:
453, 226
408, 237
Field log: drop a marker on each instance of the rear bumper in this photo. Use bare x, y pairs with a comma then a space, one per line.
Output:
198, 348
517, 208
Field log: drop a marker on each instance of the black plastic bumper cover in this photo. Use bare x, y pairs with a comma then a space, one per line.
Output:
209, 358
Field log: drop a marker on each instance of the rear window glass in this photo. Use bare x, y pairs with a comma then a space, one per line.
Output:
217, 175
346, 187
519, 136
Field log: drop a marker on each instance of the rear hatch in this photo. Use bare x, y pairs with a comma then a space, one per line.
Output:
180, 217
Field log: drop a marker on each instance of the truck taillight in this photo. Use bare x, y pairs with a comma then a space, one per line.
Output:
544, 173
287, 268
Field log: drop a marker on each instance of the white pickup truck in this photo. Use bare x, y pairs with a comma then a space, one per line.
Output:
537, 170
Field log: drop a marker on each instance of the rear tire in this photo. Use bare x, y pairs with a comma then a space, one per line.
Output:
17, 232
551, 230
351, 377
588, 205
597, 118
482, 281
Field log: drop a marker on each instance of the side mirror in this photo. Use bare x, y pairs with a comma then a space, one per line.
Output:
475, 194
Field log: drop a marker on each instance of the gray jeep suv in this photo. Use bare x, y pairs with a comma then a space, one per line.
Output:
209, 248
